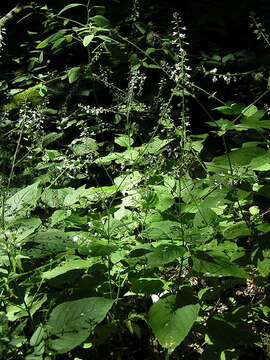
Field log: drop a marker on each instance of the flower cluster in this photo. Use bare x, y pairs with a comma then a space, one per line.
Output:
32, 122
181, 71
2, 34
136, 83
227, 78
258, 29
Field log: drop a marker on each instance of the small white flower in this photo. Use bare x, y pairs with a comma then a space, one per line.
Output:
213, 71
75, 238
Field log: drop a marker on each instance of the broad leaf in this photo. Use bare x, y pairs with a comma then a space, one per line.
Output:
73, 74
165, 254
163, 230
216, 263
30, 304
70, 323
67, 266
171, 324
49, 242
249, 110
87, 39
70, 6
100, 21
124, 140
23, 198
234, 231
24, 227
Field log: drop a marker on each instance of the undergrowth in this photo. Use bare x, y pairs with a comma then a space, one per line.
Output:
124, 233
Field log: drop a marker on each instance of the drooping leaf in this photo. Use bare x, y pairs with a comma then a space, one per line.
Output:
263, 262
70, 6
59, 215
239, 157
171, 324
163, 230
73, 74
164, 197
216, 263
204, 216
23, 198
84, 146
165, 254
100, 21
101, 247
261, 163
24, 227
69, 265
156, 145
30, 304
147, 286
249, 110
51, 137
49, 242
55, 197
37, 337
124, 140
87, 39
70, 323
234, 231
74, 195
129, 181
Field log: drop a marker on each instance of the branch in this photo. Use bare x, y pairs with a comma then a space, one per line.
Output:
10, 14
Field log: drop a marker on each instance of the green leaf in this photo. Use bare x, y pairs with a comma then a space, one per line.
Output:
261, 163
73, 74
51, 137
141, 27
100, 21
234, 231
70, 323
58, 42
147, 286
171, 324
51, 38
49, 242
106, 160
204, 216
263, 263
239, 157
129, 181
164, 197
149, 51
164, 254
70, 6
107, 39
216, 263
38, 336
231, 109
30, 304
43, 44
163, 230
156, 145
87, 39
67, 266
55, 197
24, 227
101, 247
249, 110
23, 198
59, 215
124, 140
74, 195
84, 146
